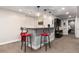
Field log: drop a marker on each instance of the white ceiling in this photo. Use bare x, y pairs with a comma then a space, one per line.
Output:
31, 10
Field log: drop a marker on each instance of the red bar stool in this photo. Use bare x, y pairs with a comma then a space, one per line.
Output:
45, 41
24, 39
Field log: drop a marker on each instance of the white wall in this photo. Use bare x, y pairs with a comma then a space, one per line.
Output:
10, 24
49, 20
46, 21
77, 27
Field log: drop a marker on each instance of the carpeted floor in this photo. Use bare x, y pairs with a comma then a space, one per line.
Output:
66, 44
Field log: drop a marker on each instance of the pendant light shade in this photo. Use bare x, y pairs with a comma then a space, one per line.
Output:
38, 6
45, 9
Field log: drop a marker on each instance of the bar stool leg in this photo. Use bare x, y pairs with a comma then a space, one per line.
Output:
27, 41
49, 42
45, 44
21, 44
45, 47
25, 47
40, 42
31, 42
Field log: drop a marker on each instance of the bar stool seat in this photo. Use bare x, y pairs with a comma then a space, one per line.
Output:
28, 34
23, 33
44, 34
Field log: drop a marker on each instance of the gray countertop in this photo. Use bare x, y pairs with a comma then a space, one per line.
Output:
41, 28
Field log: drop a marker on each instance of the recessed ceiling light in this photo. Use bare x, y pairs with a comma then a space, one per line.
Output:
63, 8
20, 10
67, 13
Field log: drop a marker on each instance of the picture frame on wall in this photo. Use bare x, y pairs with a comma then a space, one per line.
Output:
40, 23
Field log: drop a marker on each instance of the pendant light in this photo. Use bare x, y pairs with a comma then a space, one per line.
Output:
45, 13
38, 14
39, 17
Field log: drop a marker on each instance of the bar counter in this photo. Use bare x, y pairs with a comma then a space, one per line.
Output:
36, 35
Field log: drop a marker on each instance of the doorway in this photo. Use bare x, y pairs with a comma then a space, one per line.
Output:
71, 27
58, 31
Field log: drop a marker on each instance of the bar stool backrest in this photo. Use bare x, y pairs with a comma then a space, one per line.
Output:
49, 28
21, 29
26, 30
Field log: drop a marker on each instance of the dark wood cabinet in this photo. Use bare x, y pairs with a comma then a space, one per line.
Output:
58, 32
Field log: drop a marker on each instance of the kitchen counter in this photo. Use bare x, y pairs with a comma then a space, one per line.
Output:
36, 35
41, 28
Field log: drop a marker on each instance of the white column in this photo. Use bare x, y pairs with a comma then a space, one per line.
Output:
77, 27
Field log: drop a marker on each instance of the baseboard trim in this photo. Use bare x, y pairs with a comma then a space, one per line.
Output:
34, 47
3, 43
7, 42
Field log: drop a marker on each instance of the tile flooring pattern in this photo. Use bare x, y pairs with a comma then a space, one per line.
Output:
66, 44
